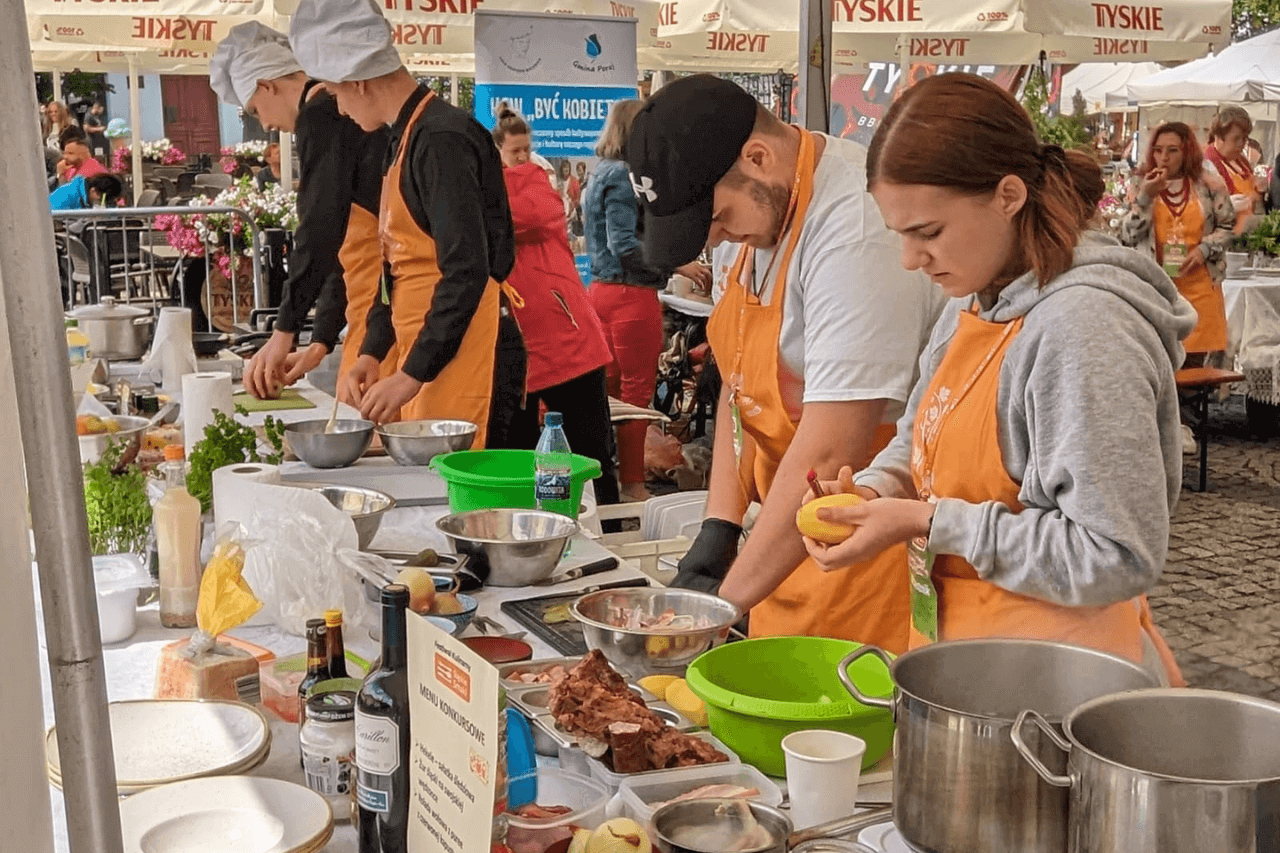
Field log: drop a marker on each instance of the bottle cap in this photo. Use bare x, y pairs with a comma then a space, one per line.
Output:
553, 419
333, 618
174, 453
337, 706
396, 595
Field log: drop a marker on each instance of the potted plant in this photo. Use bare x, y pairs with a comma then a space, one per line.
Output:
119, 516
159, 152
1264, 241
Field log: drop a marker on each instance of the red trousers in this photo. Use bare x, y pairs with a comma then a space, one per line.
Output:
632, 321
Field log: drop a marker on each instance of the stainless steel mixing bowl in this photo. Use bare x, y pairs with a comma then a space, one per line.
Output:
365, 506
338, 449
636, 652
418, 442
509, 547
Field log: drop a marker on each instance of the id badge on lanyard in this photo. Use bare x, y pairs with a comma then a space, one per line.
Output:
924, 595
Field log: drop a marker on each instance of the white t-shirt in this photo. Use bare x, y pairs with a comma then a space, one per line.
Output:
854, 322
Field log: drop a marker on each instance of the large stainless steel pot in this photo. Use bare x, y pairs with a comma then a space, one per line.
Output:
958, 783
114, 331
1167, 771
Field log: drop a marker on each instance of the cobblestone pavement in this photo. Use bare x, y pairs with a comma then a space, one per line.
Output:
1218, 603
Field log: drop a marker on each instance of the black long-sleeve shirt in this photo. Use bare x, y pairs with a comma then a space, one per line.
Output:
340, 165
452, 184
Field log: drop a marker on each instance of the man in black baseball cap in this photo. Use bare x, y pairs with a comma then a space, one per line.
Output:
817, 334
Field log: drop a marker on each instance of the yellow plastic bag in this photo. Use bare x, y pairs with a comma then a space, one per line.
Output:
226, 600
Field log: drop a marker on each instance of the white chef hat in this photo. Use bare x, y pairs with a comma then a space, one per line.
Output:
250, 52
340, 41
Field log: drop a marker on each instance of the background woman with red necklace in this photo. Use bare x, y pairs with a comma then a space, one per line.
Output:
1181, 215
1227, 139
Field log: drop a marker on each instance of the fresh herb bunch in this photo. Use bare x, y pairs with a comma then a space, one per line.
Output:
1265, 237
228, 442
117, 506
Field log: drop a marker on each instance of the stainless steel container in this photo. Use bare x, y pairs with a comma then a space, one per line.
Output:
509, 547
1167, 771
959, 784
338, 449
418, 442
115, 331
676, 826
365, 506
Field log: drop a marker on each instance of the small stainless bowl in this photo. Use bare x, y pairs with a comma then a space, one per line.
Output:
720, 824
418, 442
338, 449
365, 506
93, 446
509, 547
637, 652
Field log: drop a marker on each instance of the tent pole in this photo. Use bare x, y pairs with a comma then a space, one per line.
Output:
56, 75
135, 126
815, 64
33, 316
453, 89
286, 161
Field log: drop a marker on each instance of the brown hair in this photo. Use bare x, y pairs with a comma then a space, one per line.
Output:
509, 123
965, 133
1227, 118
613, 141
1192, 153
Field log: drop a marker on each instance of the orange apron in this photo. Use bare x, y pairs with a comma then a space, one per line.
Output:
361, 259
1210, 333
1238, 184
956, 454
464, 389
868, 603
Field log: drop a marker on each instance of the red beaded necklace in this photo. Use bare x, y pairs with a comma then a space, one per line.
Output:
1177, 203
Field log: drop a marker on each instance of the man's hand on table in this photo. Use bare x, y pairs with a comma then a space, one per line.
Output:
299, 364
383, 401
264, 374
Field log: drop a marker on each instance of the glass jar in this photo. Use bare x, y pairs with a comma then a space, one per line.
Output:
328, 743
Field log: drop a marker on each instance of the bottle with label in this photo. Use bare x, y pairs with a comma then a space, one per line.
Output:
553, 469
328, 742
337, 652
177, 522
317, 664
1175, 251
77, 343
382, 736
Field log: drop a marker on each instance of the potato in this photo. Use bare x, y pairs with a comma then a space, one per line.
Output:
821, 531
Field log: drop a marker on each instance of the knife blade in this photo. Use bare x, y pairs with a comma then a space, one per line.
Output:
608, 564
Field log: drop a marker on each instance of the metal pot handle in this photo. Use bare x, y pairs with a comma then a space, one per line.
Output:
144, 321
843, 672
840, 826
1036, 764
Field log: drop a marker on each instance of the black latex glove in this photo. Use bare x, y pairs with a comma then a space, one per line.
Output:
708, 560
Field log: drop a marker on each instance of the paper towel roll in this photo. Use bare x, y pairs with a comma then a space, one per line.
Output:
172, 353
202, 395
231, 502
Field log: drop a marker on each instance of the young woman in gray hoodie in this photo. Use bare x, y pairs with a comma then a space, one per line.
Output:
1039, 459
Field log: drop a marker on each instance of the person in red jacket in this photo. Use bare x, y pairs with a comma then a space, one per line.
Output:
568, 352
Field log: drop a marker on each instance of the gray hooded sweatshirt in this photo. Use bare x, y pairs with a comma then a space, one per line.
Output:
1089, 428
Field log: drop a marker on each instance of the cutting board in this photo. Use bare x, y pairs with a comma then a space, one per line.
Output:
290, 398
564, 637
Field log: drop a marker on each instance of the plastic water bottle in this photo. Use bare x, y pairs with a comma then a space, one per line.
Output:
77, 343
553, 469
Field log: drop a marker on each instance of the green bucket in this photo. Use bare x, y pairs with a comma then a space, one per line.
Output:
501, 479
759, 691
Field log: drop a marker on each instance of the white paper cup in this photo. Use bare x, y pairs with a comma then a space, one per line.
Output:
822, 775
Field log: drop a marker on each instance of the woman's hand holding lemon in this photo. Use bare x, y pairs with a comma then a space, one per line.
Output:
852, 524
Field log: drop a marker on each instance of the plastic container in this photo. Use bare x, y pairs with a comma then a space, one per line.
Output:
613, 781
587, 797
636, 797
118, 577
522, 761
759, 691
501, 479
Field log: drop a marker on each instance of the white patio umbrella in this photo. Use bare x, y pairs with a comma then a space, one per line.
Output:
1104, 85
1245, 71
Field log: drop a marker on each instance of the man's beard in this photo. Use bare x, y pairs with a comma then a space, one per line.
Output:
775, 198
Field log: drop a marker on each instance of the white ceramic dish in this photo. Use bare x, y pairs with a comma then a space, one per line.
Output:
885, 838
165, 740
248, 766
247, 814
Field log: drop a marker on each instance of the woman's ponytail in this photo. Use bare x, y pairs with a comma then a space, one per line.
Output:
510, 123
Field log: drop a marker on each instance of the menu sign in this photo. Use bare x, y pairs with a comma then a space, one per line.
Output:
453, 749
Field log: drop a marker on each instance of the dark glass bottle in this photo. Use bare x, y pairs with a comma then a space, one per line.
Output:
337, 651
382, 736
317, 665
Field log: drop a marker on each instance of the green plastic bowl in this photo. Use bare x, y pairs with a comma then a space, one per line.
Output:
501, 479
759, 691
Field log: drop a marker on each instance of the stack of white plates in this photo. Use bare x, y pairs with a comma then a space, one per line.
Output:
221, 814
885, 838
158, 741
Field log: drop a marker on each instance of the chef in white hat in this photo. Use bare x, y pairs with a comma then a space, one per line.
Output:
336, 262
446, 230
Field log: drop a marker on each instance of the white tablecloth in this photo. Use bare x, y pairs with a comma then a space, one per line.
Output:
1253, 332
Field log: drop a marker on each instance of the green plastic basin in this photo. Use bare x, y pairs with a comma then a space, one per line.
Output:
501, 479
759, 691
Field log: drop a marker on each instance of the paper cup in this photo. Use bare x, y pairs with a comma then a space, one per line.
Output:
822, 775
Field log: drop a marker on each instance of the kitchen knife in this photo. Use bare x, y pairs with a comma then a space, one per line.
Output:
608, 564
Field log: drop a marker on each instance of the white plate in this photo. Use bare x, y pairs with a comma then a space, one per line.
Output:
248, 766
245, 814
885, 838
164, 740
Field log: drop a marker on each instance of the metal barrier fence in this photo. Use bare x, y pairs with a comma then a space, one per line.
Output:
135, 250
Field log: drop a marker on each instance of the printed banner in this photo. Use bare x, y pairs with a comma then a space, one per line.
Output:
562, 74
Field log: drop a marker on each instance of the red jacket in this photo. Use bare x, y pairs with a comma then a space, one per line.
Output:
561, 329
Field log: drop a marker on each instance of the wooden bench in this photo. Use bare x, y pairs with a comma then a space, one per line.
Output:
1200, 383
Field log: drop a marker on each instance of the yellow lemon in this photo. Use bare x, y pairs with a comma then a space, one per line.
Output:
684, 700
823, 531
657, 684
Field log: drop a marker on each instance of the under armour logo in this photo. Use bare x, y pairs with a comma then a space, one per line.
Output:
644, 188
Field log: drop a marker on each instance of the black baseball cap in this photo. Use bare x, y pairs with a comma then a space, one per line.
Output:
684, 140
